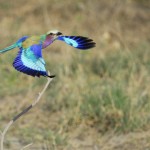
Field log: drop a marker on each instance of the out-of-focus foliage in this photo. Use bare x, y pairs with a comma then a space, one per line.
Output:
95, 92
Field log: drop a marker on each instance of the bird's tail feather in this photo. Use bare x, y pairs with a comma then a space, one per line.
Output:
8, 48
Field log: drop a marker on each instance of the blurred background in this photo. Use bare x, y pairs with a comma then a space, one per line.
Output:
100, 99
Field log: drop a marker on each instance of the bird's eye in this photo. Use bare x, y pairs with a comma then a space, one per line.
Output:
59, 33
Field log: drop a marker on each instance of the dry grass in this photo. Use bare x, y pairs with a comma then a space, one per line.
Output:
97, 94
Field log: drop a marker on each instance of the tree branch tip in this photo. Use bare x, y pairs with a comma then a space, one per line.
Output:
49, 73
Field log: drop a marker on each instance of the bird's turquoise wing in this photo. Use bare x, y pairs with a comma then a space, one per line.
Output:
79, 42
30, 61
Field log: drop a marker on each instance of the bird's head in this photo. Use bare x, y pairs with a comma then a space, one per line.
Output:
54, 34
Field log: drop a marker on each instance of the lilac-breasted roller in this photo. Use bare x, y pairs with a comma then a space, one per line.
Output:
29, 59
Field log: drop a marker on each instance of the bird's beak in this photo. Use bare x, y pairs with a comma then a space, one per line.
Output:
57, 35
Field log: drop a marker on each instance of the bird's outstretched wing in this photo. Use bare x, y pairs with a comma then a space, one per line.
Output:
79, 42
30, 61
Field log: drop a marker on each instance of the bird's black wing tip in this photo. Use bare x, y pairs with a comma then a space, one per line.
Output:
51, 76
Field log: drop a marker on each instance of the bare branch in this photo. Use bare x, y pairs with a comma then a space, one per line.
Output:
4, 132
24, 112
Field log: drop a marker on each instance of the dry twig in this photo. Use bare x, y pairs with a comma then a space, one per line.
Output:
22, 113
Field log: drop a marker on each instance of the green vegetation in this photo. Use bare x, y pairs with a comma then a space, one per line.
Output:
95, 92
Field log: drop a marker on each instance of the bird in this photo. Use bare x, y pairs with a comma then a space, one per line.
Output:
29, 59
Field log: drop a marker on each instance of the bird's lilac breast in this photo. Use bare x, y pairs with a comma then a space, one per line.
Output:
48, 41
